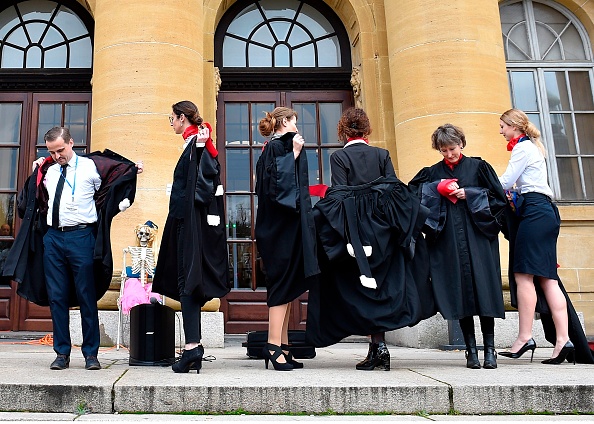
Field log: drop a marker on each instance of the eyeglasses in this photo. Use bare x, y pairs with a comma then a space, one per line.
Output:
171, 119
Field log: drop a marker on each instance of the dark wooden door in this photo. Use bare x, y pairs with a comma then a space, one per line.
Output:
240, 145
25, 118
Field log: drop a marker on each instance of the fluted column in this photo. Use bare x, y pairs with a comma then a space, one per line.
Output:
148, 55
446, 65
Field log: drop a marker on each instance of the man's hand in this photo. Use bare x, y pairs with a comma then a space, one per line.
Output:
38, 162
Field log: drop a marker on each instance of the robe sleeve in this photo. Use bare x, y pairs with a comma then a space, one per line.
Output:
496, 195
338, 170
389, 167
276, 173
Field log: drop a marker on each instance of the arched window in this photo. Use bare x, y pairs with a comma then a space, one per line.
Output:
38, 34
298, 42
550, 69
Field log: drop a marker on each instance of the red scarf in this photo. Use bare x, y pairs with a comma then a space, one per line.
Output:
512, 143
193, 130
357, 138
450, 164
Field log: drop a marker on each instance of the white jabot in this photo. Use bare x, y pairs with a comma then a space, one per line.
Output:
526, 170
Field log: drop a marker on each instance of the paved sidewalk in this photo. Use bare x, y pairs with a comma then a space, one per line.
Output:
422, 383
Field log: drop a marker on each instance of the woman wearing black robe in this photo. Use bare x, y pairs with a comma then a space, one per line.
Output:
466, 202
192, 265
285, 232
368, 224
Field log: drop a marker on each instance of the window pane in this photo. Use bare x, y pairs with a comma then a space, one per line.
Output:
12, 58
329, 116
258, 112
81, 53
34, 58
7, 207
236, 124
18, 38
240, 265
256, 153
548, 44
55, 57
326, 175
9, 160
75, 118
35, 30
573, 46
569, 179
233, 53
263, 36
282, 56
10, 117
307, 122
8, 20
314, 21
281, 30
50, 115
279, 8
298, 36
70, 23
329, 52
312, 166
588, 164
557, 91
239, 217
245, 22
585, 131
238, 170
304, 56
524, 91
51, 38
259, 56
581, 90
563, 134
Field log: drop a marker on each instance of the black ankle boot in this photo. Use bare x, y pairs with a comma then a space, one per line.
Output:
190, 358
472, 360
377, 356
490, 354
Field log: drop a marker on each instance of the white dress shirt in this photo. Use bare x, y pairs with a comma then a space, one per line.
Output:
77, 205
527, 170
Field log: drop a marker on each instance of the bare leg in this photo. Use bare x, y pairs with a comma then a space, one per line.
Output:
526, 306
276, 322
558, 307
285, 333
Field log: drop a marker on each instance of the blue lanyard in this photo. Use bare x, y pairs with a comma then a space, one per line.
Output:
73, 185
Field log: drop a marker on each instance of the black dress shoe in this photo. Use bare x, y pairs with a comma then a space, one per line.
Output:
567, 349
91, 363
529, 345
190, 359
378, 356
60, 363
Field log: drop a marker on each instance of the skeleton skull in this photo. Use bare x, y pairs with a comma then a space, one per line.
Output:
145, 235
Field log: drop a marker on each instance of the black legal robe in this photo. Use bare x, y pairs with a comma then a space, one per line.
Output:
194, 199
368, 208
285, 231
462, 238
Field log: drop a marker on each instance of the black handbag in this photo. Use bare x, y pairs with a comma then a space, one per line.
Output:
256, 340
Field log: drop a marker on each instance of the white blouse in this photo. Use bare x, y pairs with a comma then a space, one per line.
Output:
527, 170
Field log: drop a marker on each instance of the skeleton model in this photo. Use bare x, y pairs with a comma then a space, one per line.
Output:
143, 263
143, 256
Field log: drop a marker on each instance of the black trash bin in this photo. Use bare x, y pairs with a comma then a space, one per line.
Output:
152, 335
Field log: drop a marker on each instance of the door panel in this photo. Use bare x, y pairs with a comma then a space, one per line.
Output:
240, 144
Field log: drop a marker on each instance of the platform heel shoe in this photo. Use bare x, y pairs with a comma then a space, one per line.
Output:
471, 353
567, 349
273, 357
529, 345
289, 357
190, 358
490, 356
378, 356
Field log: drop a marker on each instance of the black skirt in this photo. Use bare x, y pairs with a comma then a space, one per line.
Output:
535, 250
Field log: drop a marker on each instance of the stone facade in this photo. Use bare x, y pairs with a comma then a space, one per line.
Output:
421, 64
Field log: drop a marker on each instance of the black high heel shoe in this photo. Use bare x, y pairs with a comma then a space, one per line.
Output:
289, 357
377, 357
272, 357
529, 345
190, 358
563, 353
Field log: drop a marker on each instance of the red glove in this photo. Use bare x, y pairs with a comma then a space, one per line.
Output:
445, 191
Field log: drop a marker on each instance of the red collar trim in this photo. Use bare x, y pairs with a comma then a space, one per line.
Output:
451, 165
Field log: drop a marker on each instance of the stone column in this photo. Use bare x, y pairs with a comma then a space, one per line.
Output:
446, 65
148, 55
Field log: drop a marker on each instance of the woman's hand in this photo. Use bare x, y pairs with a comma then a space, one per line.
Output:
203, 135
459, 193
140, 167
298, 143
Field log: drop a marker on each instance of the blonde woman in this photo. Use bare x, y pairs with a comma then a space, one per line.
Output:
533, 242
